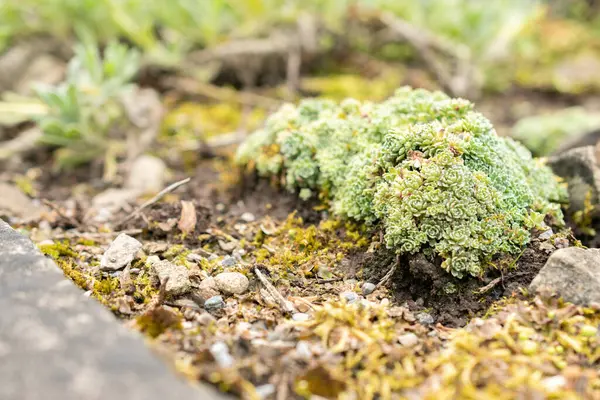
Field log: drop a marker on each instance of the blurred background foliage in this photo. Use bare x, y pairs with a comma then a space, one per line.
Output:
348, 48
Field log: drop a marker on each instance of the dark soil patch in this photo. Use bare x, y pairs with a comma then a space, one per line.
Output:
425, 286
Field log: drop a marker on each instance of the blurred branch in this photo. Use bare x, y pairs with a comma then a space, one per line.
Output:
463, 82
194, 87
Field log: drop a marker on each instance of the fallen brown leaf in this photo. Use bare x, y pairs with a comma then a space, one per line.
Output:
187, 221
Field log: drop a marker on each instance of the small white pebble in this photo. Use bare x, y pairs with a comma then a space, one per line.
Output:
408, 340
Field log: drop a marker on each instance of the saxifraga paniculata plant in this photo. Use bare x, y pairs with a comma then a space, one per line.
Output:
427, 167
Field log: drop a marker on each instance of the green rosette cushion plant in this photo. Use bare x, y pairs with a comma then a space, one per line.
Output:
426, 167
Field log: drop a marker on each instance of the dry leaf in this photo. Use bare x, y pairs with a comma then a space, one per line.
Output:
187, 221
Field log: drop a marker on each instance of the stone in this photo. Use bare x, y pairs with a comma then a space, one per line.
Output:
56, 343
425, 318
120, 253
179, 280
547, 234
14, 203
214, 303
232, 282
147, 174
220, 353
228, 261
579, 168
408, 340
349, 297
248, 217
299, 317
368, 288
265, 391
208, 288
110, 201
572, 273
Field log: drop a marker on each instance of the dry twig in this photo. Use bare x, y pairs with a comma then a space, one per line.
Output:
459, 83
389, 274
283, 303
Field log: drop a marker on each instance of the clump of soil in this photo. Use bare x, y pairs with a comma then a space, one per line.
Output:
424, 285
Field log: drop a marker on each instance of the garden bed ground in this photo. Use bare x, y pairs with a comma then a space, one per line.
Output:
334, 339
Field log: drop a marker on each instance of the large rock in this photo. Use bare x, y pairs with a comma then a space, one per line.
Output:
572, 273
55, 343
579, 167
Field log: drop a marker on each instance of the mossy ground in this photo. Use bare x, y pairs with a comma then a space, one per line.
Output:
374, 348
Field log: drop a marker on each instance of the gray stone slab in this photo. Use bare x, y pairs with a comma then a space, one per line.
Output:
57, 344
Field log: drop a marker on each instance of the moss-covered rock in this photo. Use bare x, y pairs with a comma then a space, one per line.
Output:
427, 167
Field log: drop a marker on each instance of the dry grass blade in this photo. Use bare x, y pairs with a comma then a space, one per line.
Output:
283, 303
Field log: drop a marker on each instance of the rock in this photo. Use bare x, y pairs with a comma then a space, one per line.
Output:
579, 167
179, 280
232, 282
147, 174
547, 234
425, 318
110, 201
349, 297
303, 350
227, 246
208, 288
214, 303
408, 340
14, 203
248, 217
56, 343
265, 391
220, 353
228, 261
368, 288
573, 273
300, 317
120, 253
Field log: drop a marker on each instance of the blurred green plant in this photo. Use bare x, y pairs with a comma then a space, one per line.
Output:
543, 134
84, 110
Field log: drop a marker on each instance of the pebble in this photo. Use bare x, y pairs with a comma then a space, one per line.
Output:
265, 391
121, 252
194, 257
220, 353
300, 317
425, 318
214, 303
147, 174
213, 257
350, 297
408, 340
368, 288
232, 282
228, 261
208, 288
303, 350
546, 235
248, 217
179, 280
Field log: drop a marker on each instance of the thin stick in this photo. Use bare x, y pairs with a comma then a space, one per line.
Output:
389, 274
61, 214
155, 199
285, 305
